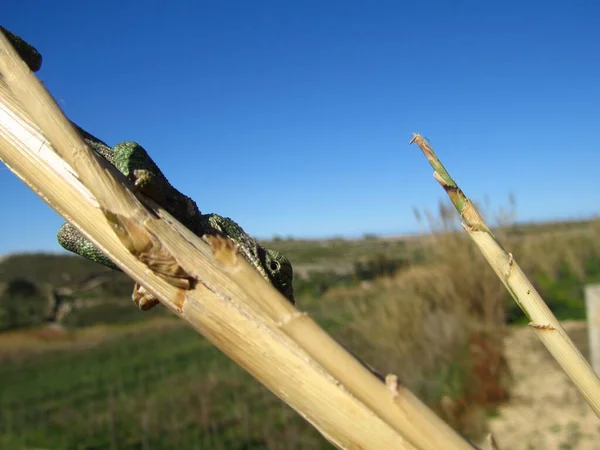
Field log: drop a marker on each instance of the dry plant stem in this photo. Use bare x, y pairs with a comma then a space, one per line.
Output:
258, 346
543, 322
216, 305
396, 405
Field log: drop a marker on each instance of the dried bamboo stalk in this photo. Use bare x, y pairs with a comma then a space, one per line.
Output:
244, 317
542, 320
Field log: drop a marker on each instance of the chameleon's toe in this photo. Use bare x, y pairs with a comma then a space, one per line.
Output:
142, 178
143, 298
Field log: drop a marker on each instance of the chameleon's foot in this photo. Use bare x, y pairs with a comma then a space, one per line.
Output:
143, 298
133, 161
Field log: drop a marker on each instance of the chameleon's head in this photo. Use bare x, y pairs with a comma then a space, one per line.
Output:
270, 264
280, 272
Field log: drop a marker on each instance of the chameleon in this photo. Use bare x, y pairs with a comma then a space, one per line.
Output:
133, 161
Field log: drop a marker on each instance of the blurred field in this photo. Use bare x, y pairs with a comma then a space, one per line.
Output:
160, 387
426, 307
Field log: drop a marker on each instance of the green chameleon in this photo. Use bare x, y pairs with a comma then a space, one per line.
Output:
132, 160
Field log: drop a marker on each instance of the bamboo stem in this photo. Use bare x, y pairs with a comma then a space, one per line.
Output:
542, 320
243, 316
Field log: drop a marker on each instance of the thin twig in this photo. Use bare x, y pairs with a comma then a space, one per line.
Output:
542, 321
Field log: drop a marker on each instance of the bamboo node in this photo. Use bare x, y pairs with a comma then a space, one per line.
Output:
289, 317
509, 266
541, 326
392, 383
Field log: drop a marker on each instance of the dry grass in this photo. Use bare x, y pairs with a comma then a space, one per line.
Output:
438, 325
553, 252
441, 325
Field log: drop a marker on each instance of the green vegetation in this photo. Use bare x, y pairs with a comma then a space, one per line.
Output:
427, 308
163, 388
337, 251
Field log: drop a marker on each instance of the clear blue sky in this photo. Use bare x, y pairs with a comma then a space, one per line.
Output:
293, 117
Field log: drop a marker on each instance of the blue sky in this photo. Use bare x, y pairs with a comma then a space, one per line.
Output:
294, 117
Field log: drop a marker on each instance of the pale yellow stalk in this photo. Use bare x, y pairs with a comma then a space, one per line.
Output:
226, 301
543, 321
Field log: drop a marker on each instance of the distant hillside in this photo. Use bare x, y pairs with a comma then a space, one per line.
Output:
30, 282
47, 268
27, 280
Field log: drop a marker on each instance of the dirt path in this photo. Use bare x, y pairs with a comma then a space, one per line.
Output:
545, 411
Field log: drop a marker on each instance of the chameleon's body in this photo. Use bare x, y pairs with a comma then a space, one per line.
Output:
132, 160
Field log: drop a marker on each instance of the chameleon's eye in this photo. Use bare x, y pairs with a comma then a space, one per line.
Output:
274, 266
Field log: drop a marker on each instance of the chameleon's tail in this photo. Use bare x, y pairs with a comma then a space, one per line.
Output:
27, 52
70, 238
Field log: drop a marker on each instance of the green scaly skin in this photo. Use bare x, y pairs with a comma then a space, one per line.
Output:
134, 162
